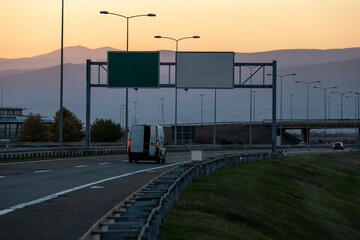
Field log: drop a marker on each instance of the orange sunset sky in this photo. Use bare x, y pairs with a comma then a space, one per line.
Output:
33, 27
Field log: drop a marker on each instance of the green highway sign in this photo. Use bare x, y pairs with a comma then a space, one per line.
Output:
133, 69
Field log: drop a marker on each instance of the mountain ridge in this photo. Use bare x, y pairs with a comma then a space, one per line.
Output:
285, 57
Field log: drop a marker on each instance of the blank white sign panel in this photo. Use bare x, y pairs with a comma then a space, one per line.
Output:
205, 69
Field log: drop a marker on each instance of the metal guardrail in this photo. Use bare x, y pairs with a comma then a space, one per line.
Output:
141, 215
9, 154
33, 153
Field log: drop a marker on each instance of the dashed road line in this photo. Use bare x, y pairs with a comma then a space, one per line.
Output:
103, 163
42, 171
2, 177
80, 166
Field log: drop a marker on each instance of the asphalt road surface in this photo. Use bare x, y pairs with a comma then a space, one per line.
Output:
62, 199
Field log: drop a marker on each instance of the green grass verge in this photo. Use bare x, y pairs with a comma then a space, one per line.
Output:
298, 197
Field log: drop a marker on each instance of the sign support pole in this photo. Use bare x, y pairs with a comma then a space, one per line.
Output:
273, 152
88, 100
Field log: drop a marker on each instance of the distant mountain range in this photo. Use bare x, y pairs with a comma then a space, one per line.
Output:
285, 58
33, 83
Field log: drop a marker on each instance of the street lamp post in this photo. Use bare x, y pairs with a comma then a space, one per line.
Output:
120, 111
201, 108
341, 108
214, 116
162, 110
329, 107
177, 47
254, 92
355, 98
135, 102
281, 78
358, 124
307, 108
127, 49
325, 89
2, 94
61, 77
291, 107
250, 125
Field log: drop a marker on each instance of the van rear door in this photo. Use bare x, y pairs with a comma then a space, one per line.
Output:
153, 133
137, 138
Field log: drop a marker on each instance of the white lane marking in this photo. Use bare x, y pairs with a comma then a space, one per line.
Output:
80, 166
95, 187
55, 195
2, 177
125, 160
55, 160
103, 163
42, 171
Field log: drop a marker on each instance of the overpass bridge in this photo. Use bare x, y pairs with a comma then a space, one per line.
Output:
306, 125
238, 132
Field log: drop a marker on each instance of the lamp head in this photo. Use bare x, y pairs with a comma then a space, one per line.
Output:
293, 74
151, 15
104, 12
196, 36
186, 89
296, 81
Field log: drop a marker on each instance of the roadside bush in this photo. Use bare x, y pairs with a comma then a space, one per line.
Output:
34, 129
73, 127
105, 130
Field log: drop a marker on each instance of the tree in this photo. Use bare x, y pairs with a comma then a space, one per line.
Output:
34, 129
105, 130
73, 127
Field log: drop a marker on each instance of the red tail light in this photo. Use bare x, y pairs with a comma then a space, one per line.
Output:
157, 143
128, 146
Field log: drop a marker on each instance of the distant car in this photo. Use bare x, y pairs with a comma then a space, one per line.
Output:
338, 145
301, 144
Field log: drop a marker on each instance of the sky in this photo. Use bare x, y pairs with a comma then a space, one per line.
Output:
30, 28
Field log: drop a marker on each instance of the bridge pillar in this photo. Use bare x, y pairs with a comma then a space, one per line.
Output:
304, 134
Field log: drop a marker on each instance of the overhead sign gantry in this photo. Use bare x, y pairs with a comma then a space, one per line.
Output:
206, 70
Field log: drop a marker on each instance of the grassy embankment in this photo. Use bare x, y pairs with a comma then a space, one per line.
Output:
298, 197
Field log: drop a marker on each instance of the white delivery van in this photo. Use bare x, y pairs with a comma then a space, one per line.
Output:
146, 142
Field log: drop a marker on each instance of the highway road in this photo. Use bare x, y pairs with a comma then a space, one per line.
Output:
63, 198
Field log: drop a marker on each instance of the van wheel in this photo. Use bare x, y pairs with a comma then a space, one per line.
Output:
131, 160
